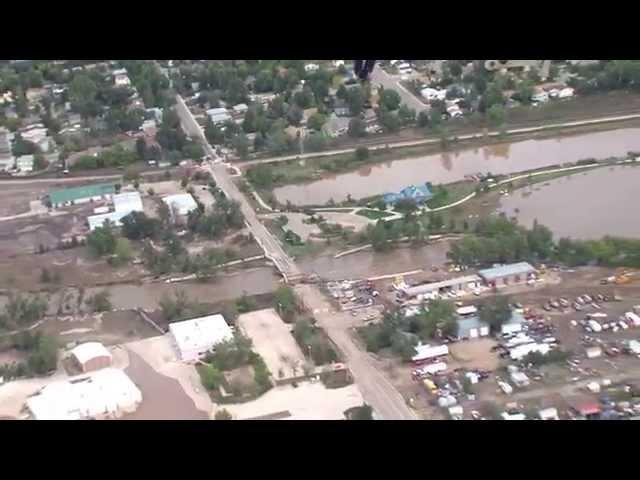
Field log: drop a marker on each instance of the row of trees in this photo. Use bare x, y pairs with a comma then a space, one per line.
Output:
21, 311
501, 240
42, 355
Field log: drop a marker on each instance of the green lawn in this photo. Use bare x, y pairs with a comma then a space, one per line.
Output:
373, 214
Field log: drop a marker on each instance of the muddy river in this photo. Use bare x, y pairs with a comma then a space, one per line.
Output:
587, 205
368, 264
253, 282
454, 165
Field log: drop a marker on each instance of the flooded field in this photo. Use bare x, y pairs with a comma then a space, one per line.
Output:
454, 165
163, 397
225, 287
585, 206
368, 263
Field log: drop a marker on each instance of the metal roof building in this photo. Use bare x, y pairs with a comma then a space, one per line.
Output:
124, 204
196, 337
81, 194
106, 393
512, 270
180, 203
453, 283
91, 356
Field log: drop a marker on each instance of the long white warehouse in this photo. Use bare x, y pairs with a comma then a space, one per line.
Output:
107, 393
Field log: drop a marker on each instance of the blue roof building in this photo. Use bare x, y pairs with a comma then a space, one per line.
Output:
419, 194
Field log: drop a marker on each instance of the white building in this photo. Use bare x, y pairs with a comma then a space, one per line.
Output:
218, 115
123, 204
433, 94
122, 80
311, 67
25, 163
195, 337
91, 356
240, 108
107, 393
180, 204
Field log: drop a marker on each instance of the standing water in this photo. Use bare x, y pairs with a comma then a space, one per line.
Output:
453, 166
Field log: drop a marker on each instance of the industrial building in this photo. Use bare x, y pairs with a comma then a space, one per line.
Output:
193, 338
91, 356
453, 284
507, 274
83, 194
180, 204
107, 393
123, 204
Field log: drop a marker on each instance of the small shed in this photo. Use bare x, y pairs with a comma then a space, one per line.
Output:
91, 356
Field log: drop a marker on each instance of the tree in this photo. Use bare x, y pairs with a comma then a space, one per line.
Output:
365, 412
122, 251
525, 91
213, 133
39, 162
361, 154
175, 308
44, 357
137, 225
315, 142
241, 143
406, 115
455, 68
389, 99
495, 312
357, 128
193, 150
285, 302
223, 414
355, 100
102, 241
294, 115
316, 121
389, 120
100, 302
211, 378
496, 115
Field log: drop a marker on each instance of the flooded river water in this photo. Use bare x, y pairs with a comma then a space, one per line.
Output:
587, 205
367, 263
454, 165
225, 287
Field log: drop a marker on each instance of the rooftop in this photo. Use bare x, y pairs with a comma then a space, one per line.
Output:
199, 334
105, 392
182, 202
87, 351
435, 286
522, 268
85, 191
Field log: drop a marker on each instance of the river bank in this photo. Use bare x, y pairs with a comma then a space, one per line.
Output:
455, 165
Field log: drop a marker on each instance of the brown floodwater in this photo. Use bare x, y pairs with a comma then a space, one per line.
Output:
455, 165
584, 205
367, 263
226, 287
162, 397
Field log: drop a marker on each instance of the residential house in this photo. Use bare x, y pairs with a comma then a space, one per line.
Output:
122, 80
240, 109
218, 115
419, 194
35, 94
336, 126
156, 112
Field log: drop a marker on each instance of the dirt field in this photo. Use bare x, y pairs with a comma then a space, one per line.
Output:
272, 339
309, 401
474, 354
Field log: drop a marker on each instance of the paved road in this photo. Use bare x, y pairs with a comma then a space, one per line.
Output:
376, 389
413, 143
392, 82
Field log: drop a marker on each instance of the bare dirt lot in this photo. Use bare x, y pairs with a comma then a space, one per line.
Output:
272, 339
309, 401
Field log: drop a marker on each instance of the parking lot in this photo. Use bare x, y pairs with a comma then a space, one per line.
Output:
272, 339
